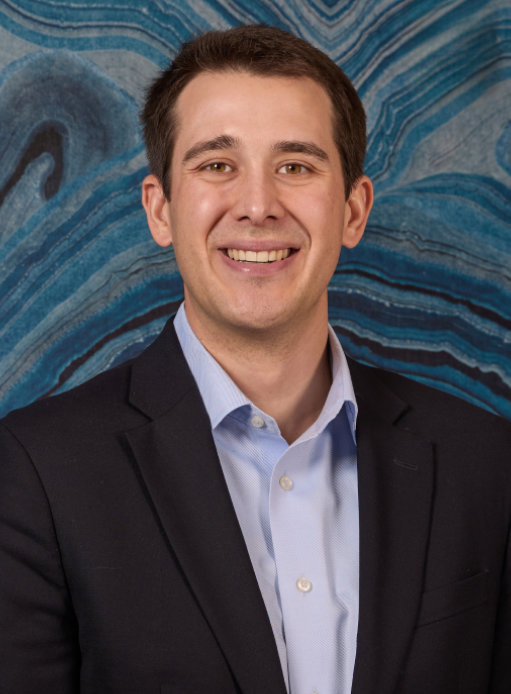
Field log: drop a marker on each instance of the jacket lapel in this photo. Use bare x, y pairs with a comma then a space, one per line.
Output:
395, 469
180, 468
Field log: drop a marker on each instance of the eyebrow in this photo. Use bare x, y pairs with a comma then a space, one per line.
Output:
220, 142
298, 147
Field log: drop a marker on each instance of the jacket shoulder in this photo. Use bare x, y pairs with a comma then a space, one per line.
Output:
426, 409
97, 403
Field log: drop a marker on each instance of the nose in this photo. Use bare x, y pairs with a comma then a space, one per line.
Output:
257, 198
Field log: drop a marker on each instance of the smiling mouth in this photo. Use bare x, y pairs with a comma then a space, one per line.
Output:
258, 256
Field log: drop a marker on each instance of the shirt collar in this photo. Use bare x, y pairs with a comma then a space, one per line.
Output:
221, 396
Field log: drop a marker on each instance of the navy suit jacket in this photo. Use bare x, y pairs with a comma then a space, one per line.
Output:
123, 568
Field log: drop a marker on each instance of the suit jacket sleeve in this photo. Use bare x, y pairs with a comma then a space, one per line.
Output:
501, 675
38, 633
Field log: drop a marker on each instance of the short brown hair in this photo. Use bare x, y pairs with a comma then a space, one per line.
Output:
259, 50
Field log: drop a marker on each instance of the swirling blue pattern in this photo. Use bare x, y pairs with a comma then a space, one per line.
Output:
427, 293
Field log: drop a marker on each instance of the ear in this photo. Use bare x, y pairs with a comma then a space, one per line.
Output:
156, 208
357, 211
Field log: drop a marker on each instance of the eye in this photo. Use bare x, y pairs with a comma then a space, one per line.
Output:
218, 167
293, 169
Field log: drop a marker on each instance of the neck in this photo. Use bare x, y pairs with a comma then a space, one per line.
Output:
285, 373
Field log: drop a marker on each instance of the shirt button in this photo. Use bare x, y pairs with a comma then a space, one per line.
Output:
257, 421
286, 483
304, 585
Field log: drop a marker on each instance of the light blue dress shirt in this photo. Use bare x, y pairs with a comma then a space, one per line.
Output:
297, 506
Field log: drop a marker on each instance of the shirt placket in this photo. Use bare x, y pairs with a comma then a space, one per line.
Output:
297, 496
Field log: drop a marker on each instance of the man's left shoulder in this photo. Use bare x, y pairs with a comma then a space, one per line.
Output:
433, 413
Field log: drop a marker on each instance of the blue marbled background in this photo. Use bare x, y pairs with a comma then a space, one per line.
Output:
82, 285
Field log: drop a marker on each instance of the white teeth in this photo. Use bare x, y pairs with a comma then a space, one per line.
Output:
258, 256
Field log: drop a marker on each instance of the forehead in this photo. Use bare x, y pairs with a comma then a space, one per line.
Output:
243, 104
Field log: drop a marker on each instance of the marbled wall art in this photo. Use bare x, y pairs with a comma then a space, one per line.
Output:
83, 286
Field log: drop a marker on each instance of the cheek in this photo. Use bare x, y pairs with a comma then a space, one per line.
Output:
325, 220
323, 207
201, 208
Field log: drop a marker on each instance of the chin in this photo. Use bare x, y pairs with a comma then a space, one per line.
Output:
257, 321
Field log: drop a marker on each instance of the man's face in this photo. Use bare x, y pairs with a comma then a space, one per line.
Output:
257, 211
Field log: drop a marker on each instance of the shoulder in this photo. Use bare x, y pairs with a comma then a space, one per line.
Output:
94, 402
106, 403
73, 430
431, 412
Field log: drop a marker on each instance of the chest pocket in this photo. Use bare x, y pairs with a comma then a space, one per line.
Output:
447, 601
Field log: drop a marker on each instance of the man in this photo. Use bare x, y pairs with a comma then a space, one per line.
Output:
241, 509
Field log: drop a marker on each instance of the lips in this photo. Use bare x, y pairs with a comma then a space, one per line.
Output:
270, 256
